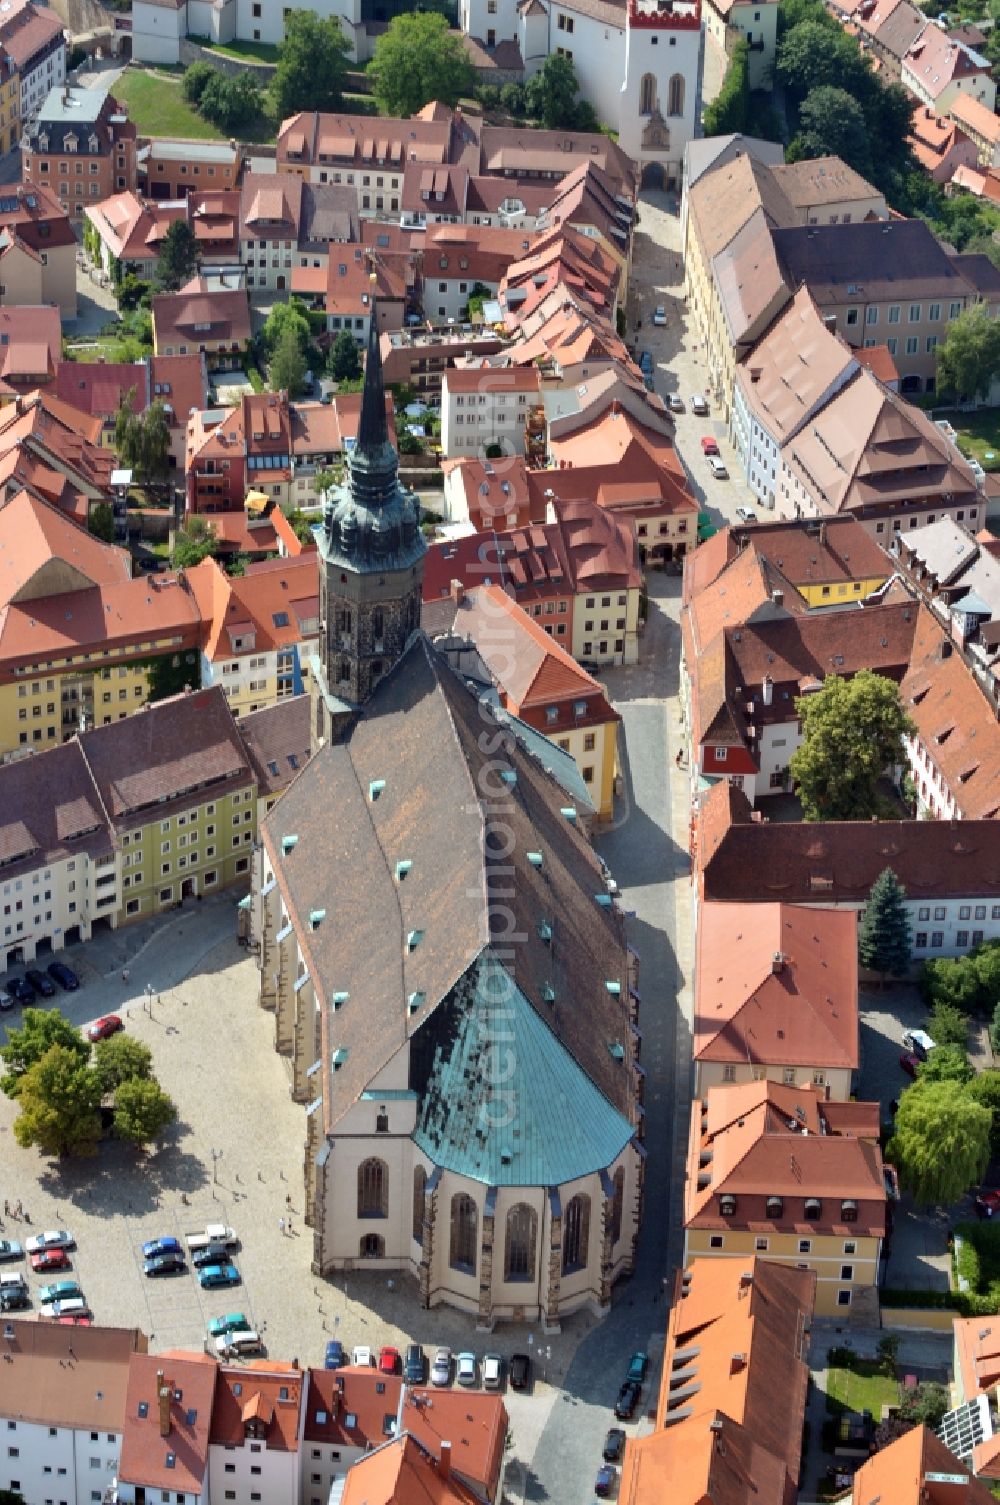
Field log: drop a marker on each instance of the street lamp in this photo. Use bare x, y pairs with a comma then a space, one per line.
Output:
545, 1355
216, 1157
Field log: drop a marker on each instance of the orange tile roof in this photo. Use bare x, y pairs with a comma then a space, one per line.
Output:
976, 116
233, 606
344, 1408
179, 1461
801, 1011
31, 345
401, 1473
268, 1393
475, 1425
43, 553
917, 1469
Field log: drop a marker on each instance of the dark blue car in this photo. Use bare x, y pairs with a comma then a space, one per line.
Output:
334, 1354
158, 1246
64, 976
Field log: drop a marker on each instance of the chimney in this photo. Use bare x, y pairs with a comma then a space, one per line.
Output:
755, 373
164, 1395
778, 962
767, 687
457, 591
746, 1280
777, 598
737, 1363
445, 1463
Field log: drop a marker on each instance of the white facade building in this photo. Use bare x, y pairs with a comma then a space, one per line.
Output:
486, 406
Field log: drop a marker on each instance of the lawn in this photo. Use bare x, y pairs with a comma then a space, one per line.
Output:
156, 107
978, 435
863, 1387
255, 52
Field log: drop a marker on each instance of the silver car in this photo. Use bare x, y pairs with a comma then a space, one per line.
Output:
441, 1367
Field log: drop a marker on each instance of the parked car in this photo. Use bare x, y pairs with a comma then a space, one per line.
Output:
52, 1238
41, 982
465, 1369
157, 1246
628, 1399
69, 1307
520, 1371
414, 1365
334, 1356
699, 404
362, 1357
50, 1259
164, 1264
709, 446
218, 1275
105, 1027
675, 402
7, 1001
919, 1041
659, 316
21, 990
607, 1476
492, 1371
441, 1367
746, 514
718, 469
212, 1254
246, 1341
646, 363
10, 1250
388, 1360
637, 1366
987, 1203
83, 1320
14, 1298
614, 1445
232, 1322
64, 976
909, 1062
60, 1290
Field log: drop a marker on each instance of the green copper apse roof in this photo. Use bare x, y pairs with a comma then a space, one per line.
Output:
505, 1103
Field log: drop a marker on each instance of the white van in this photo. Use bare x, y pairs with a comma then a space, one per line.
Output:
73, 1306
238, 1343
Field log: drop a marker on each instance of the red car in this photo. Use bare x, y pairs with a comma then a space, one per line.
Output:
50, 1259
709, 445
909, 1062
103, 1029
388, 1361
987, 1204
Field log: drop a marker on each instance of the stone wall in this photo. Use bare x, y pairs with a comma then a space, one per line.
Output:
192, 51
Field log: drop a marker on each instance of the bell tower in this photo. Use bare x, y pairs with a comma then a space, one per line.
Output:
371, 564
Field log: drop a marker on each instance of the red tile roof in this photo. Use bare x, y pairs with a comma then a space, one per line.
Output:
917, 1469
177, 1462
268, 1394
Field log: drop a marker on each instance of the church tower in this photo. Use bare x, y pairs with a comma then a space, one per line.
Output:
371, 564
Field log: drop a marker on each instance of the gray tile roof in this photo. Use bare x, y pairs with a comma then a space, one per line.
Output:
277, 742
881, 259
49, 809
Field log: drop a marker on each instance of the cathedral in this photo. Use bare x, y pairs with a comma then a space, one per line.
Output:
447, 967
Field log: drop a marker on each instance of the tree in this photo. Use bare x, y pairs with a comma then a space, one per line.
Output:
284, 316
728, 110
941, 1144
948, 1025
995, 1030
120, 1059
178, 258
832, 124
195, 81
101, 522
40, 1030
969, 360
952, 981
287, 370
925, 1405
416, 60
142, 440
853, 731
344, 362
885, 936
59, 1101
142, 1110
813, 54
192, 543
312, 65
231, 101
948, 1063
550, 96
514, 100
985, 1090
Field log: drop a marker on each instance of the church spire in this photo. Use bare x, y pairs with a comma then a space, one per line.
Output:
372, 432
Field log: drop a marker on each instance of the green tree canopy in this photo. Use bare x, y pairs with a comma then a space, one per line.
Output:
941, 1144
284, 316
925, 1405
59, 1102
947, 1025
985, 1090
196, 80
885, 935
119, 1059
948, 1063
728, 110
813, 54
178, 258
287, 369
969, 360
952, 981
193, 543
344, 361
101, 522
312, 65
40, 1030
832, 124
853, 732
417, 60
231, 101
551, 95
142, 440
142, 1110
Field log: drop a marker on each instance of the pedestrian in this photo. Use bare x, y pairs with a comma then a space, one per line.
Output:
259, 1176
288, 1200
27, 1217
6, 1208
281, 1225
290, 1229
18, 1209
124, 974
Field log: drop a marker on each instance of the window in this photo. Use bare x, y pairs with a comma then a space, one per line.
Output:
937, 938
760, 1244
419, 1192
849, 1210
894, 314
850, 1247
843, 1298
847, 1272
519, 1248
647, 94
965, 912
464, 1229
914, 314
852, 316
911, 344
923, 913
962, 938
934, 312
373, 1189
576, 1234
617, 1203
675, 95
954, 310
920, 940
774, 1207
871, 315
805, 1246
939, 912
729, 1072
716, 1241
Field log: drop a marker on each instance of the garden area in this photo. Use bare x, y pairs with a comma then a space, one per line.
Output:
156, 105
978, 434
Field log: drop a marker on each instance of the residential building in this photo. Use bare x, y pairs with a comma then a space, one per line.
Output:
82, 146
887, 29
128, 233
352, 284
37, 249
322, 433
172, 169
168, 1417
403, 1470
457, 257
556, 259
827, 564
277, 743
178, 382
254, 1438
949, 871
776, 997
10, 102
286, 222
535, 678
52, 450
936, 69
470, 1453
917, 1469
260, 629
62, 1398
391, 1179
207, 317
419, 357
980, 124
488, 495
733, 1389
486, 407
30, 347
940, 145
33, 41
727, 21
976, 1370
784, 1174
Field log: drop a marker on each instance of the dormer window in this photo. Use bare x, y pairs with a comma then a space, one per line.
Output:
70, 143
93, 144
775, 1207
814, 1209
849, 1211
727, 1206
